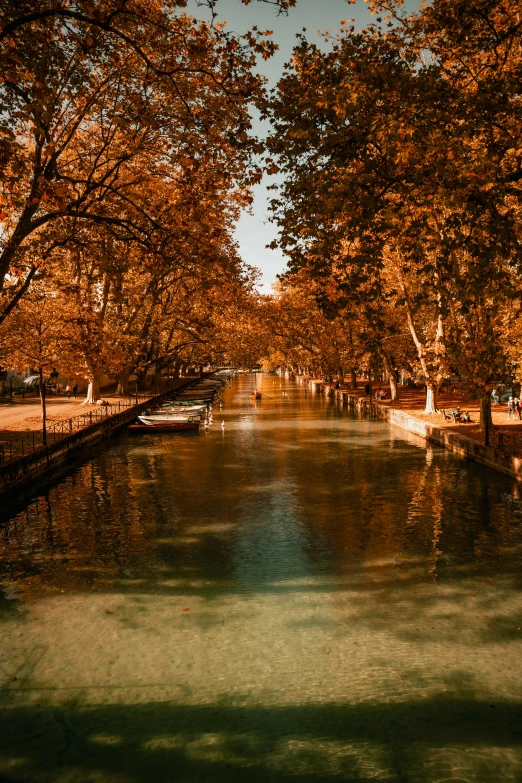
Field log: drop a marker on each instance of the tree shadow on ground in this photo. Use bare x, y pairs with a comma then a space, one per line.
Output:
162, 741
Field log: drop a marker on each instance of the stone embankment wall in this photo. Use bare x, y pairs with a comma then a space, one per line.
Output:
27, 469
453, 441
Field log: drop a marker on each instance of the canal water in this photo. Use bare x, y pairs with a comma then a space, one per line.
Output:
299, 596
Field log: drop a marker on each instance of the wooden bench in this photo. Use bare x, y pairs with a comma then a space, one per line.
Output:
451, 415
456, 417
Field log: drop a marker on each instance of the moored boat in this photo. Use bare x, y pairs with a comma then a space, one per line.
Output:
182, 410
200, 400
185, 404
203, 394
154, 418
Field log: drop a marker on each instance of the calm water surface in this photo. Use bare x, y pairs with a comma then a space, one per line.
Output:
304, 596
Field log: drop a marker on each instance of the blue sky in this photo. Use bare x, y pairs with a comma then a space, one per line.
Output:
253, 231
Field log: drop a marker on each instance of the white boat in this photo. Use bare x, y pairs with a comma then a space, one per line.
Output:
181, 410
196, 403
161, 418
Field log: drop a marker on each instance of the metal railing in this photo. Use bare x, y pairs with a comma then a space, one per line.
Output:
508, 444
32, 441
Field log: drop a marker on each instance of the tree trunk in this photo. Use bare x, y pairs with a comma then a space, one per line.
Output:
143, 380
93, 390
158, 379
486, 419
353, 378
394, 389
123, 384
432, 391
44, 406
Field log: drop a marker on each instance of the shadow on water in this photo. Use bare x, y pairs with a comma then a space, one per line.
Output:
328, 600
166, 742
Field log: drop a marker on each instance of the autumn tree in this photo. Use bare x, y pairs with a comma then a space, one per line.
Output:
391, 149
102, 102
35, 339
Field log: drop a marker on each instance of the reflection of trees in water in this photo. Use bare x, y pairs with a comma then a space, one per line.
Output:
375, 504
311, 497
83, 529
130, 513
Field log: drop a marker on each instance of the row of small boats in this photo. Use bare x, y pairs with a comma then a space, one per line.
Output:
188, 411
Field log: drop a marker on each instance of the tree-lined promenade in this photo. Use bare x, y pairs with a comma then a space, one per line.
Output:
127, 155
400, 150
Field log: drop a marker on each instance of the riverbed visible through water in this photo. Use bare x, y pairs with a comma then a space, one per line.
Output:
301, 596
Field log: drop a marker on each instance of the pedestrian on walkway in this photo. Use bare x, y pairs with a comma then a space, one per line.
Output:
68, 391
75, 390
518, 407
511, 408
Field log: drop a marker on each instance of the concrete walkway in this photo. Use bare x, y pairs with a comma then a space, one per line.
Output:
467, 440
25, 415
412, 402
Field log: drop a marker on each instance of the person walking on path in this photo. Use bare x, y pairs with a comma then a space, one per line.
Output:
75, 390
518, 407
511, 408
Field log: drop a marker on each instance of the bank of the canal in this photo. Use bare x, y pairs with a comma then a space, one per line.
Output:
456, 442
69, 439
303, 595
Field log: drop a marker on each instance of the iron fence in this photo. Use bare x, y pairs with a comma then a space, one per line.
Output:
508, 444
32, 441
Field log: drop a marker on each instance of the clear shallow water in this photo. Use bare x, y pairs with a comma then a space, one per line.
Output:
305, 596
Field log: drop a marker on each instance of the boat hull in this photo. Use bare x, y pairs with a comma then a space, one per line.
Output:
167, 419
195, 404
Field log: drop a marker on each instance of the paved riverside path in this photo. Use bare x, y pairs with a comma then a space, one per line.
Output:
412, 401
25, 415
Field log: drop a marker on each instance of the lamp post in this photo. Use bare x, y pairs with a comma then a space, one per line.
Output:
44, 406
53, 376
